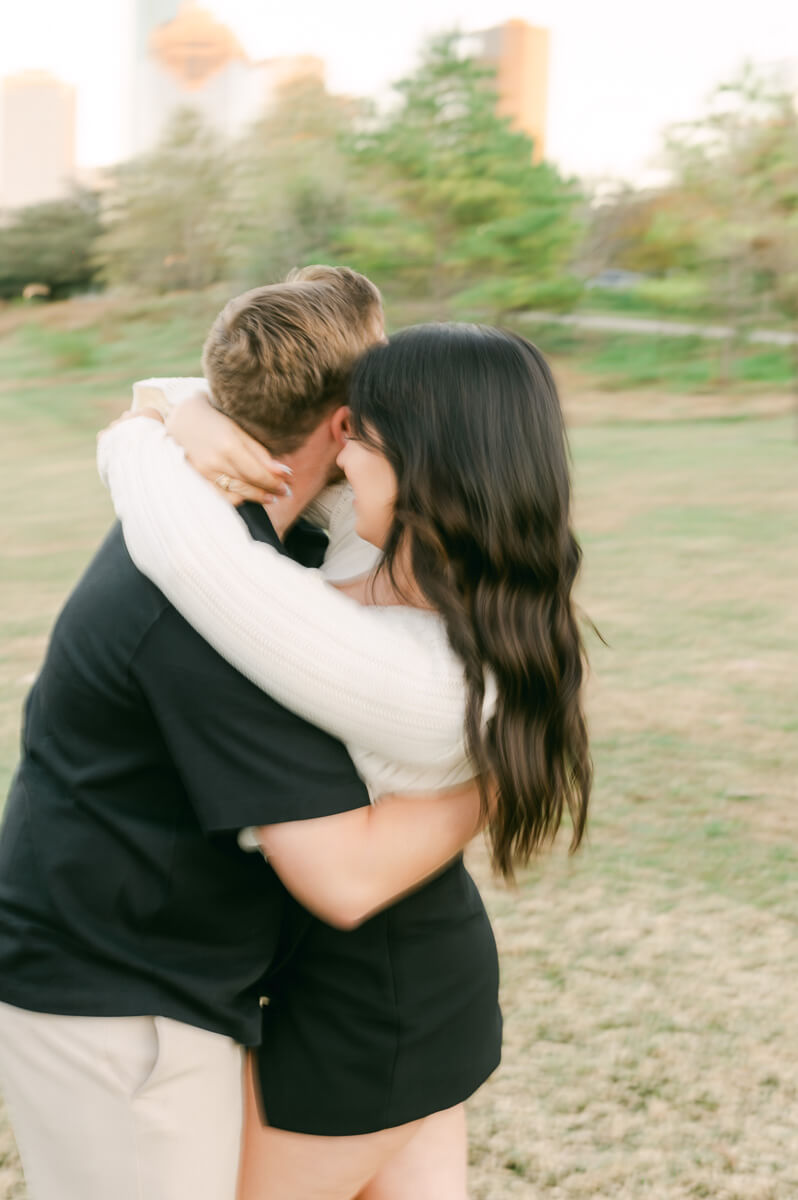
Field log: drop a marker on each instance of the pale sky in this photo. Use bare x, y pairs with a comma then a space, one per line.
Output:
621, 70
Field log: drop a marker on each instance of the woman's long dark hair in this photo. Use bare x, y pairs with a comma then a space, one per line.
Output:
470, 420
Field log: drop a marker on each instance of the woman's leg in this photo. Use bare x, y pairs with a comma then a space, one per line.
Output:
277, 1165
432, 1165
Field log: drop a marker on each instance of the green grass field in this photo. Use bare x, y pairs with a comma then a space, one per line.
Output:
649, 981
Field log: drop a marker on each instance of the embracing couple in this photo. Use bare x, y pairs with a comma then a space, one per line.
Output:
239, 951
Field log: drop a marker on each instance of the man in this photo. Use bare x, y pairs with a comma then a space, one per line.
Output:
134, 932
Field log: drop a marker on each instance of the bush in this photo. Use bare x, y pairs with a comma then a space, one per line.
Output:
51, 245
684, 295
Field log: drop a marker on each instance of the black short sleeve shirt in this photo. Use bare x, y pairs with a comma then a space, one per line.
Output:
122, 887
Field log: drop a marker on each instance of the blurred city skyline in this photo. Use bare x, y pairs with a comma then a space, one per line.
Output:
620, 72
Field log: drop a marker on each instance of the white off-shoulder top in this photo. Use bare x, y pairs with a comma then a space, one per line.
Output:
382, 679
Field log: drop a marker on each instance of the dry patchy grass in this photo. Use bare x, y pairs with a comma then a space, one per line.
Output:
651, 1049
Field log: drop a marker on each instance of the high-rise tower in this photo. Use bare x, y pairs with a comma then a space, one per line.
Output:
519, 53
184, 58
187, 58
37, 138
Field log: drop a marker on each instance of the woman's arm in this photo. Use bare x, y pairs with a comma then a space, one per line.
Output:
215, 445
346, 867
346, 668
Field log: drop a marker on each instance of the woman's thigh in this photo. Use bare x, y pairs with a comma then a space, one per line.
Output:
278, 1165
432, 1165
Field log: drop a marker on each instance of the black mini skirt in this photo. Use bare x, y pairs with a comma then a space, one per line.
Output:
385, 1024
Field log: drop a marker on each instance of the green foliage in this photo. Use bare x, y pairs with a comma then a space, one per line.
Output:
170, 220
678, 364
775, 227
290, 183
670, 238
721, 241
680, 294
476, 220
773, 366
382, 242
498, 297
624, 362
50, 245
738, 165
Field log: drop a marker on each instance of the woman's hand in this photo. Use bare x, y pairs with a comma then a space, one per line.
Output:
225, 455
152, 414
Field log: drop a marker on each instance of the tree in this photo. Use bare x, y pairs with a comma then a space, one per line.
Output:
650, 231
721, 172
51, 245
169, 218
475, 219
774, 194
291, 182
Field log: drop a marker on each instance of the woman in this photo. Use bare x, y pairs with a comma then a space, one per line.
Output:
458, 464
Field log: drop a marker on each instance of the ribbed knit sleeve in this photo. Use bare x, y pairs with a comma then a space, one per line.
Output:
347, 555
369, 680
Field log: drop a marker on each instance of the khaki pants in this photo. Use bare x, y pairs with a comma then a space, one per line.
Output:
121, 1108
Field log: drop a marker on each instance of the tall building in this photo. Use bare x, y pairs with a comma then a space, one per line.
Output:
186, 58
519, 53
37, 138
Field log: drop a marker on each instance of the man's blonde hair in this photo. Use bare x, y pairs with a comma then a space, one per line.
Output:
278, 358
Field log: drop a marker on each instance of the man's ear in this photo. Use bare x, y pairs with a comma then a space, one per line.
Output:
339, 425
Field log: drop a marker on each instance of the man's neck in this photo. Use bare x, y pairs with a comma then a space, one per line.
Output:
283, 513
312, 465
305, 483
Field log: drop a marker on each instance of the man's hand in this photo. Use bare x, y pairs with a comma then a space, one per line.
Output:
225, 454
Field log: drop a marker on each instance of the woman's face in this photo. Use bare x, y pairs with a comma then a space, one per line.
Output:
374, 484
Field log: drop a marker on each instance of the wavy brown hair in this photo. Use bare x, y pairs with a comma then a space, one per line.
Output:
470, 420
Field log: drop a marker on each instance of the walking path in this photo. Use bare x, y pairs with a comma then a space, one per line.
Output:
643, 325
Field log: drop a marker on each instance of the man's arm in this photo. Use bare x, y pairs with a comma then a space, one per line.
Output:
346, 867
243, 759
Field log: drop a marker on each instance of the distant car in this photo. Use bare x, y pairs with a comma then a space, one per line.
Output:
614, 279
